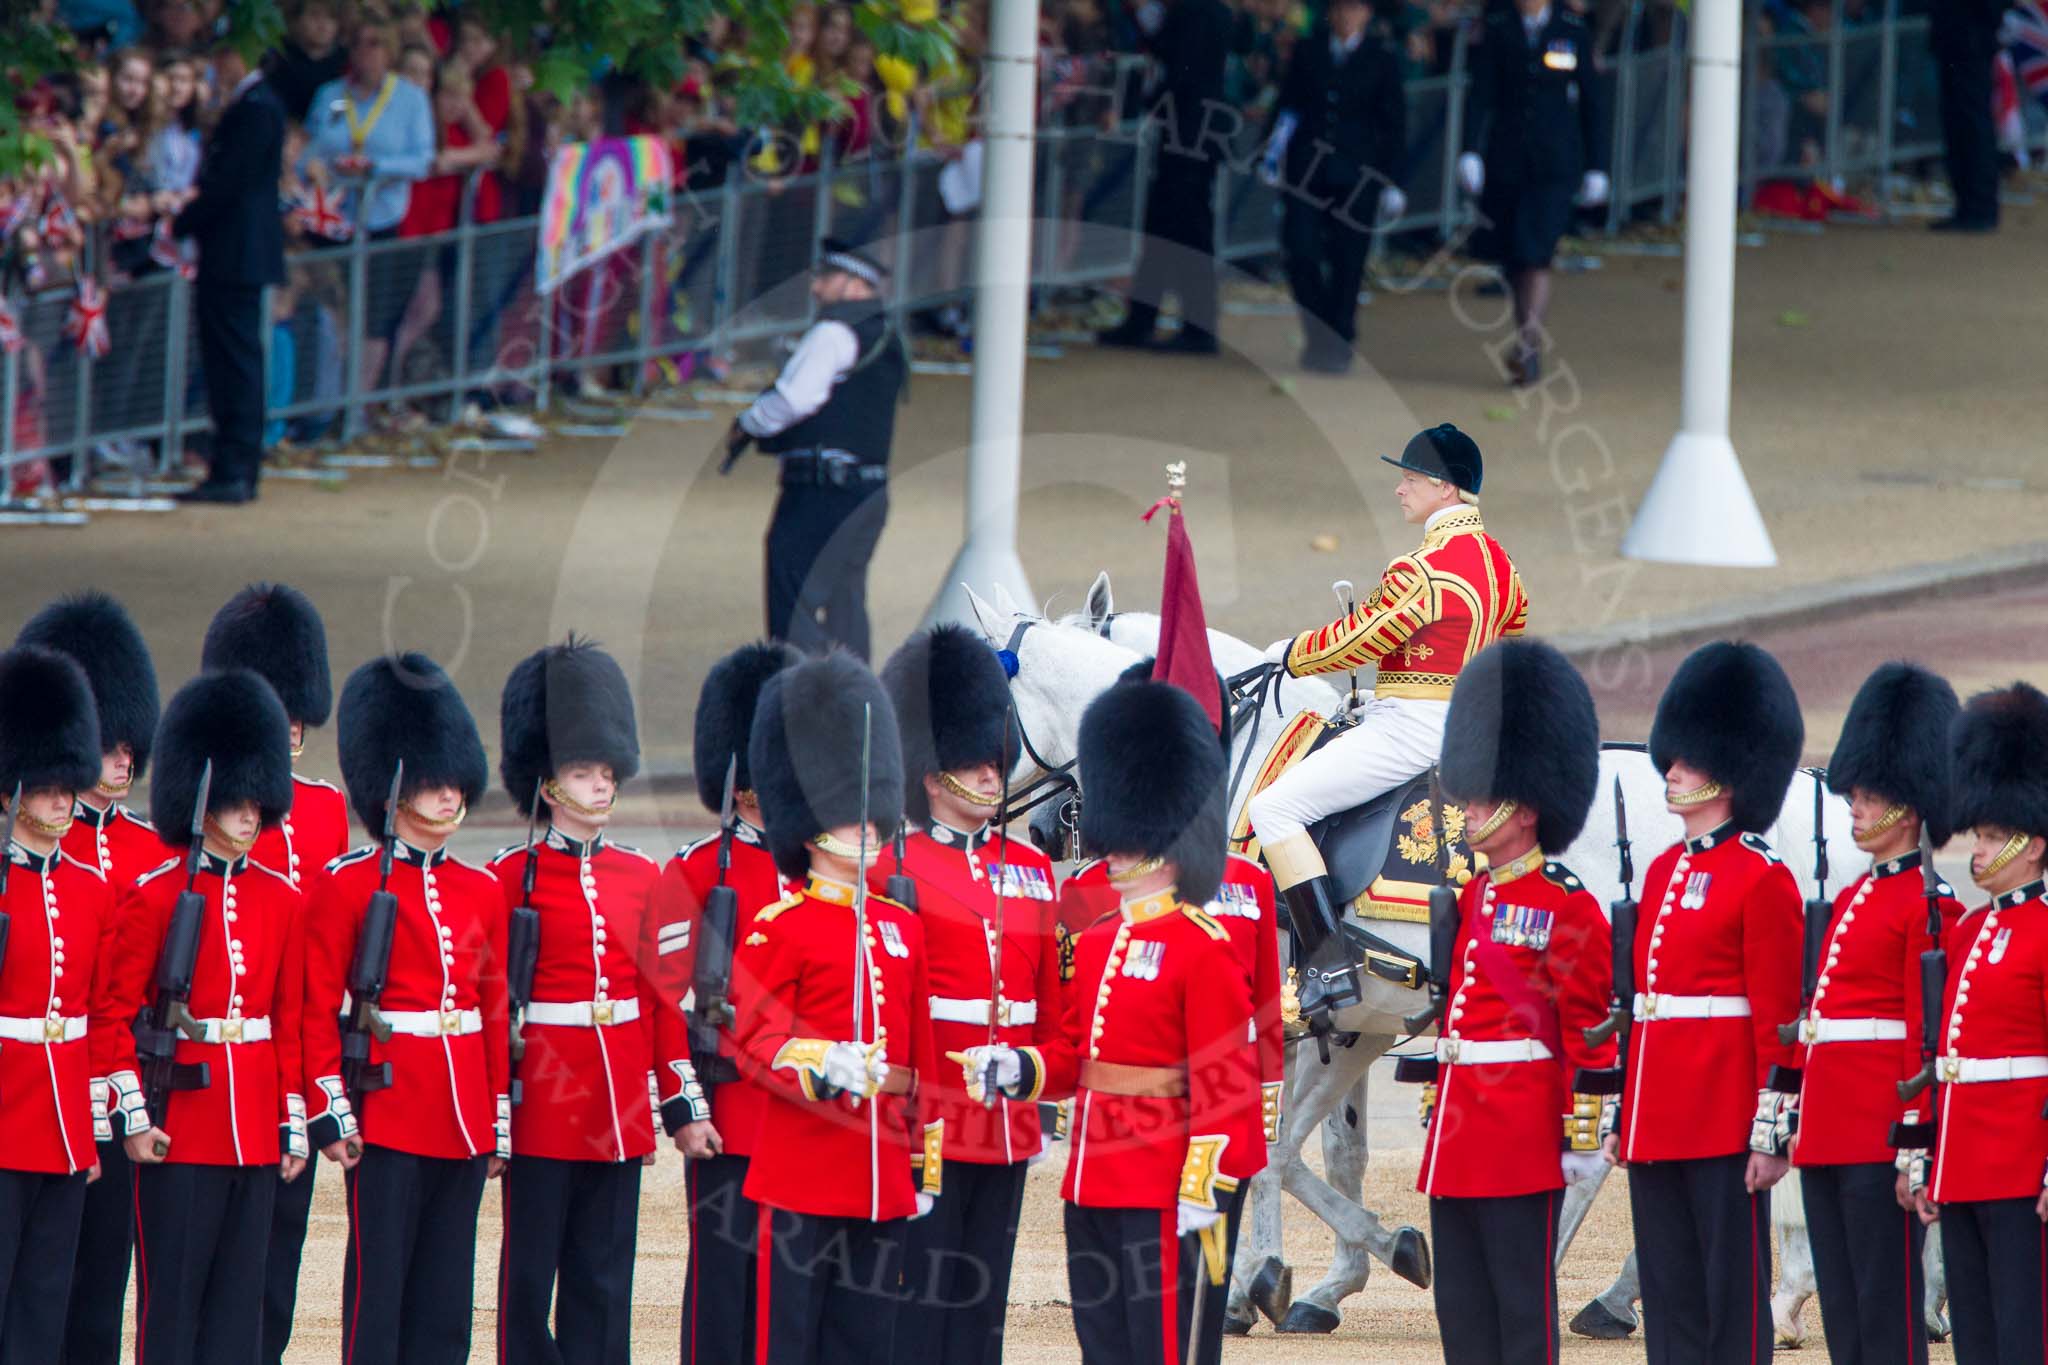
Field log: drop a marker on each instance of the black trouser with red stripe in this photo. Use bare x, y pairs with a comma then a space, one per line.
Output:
956, 1267
1703, 1245
829, 1289
719, 1284
408, 1279
290, 1213
1995, 1253
1866, 1263
201, 1235
1214, 1301
1495, 1285
570, 1231
106, 1247
1132, 1282
39, 1217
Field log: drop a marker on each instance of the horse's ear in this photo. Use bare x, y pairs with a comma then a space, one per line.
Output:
1101, 605
1005, 603
993, 624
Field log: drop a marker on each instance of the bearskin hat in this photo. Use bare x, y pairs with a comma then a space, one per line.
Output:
1522, 728
2000, 742
234, 719
805, 750
1141, 671
1895, 743
275, 630
97, 631
49, 726
1730, 712
568, 703
1152, 780
952, 700
405, 707
725, 714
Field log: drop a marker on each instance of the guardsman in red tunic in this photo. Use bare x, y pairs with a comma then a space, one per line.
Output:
973, 882
1989, 1179
593, 1034
1717, 971
1432, 611
837, 1026
207, 1165
56, 1029
95, 630
1153, 1052
1862, 1031
720, 1280
416, 1152
1531, 972
275, 631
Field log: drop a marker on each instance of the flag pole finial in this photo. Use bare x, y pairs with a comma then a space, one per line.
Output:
1176, 478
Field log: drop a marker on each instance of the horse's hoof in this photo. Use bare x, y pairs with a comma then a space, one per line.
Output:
1791, 1332
1411, 1258
1599, 1322
1937, 1328
1306, 1317
1272, 1289
1236, 1324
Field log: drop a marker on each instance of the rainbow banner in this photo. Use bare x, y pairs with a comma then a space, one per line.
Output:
601, 196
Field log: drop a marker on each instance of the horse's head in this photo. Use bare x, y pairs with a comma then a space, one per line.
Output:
1059, 669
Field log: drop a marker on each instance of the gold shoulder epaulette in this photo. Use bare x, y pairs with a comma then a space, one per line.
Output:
1210, 925
877, 899
767, 913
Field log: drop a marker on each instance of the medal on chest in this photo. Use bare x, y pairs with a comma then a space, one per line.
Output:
1998, 945
892, 939
1695, 895
1236, 900
1142, 962
1018, 880
1561, 56
1522, 926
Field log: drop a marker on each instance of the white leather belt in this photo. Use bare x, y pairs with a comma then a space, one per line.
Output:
1816, 1031
1474, 1052
256, 1030
1657, 1006
1969, 1070
947, 1011
583, 1013
435, 1023
16, 1029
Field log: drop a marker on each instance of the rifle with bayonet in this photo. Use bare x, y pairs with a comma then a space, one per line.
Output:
522, 948
1933, 1001
1819, 912
717, 926
861, 977
7, 866
1443, 917
1621, 1002
169, 1013
370, 968
899, 887
995, 961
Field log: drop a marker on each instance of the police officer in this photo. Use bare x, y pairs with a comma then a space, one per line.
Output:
1964, 37
207, 1164
720, 1279
1717, 971
1530, 973
1338, 144
1535, 138
829, 419
994, 1002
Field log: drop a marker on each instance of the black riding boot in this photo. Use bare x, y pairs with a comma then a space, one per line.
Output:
1328, 972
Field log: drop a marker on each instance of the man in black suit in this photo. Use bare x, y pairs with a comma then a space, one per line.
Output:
1964, 36
236, 222
1190, 40
1340, 135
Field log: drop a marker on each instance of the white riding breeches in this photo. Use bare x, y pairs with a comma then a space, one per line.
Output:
1396, 738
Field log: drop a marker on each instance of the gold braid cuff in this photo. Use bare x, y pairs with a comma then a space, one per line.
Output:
806, 1057
1582, 1124
1200, 1173
932, 1165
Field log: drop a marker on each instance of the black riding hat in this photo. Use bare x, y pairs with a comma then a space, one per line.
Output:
1443, 452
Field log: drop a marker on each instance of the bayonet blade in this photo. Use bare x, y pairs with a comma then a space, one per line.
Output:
391, 802
1930, 880
532, 854
7, 840
199, 802
1443, 833
725, 804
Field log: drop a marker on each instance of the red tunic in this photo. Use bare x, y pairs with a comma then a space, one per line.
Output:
1532, 966
116, 841
446, 962
53, 984
828, 1156
1720, 931
736, 1102
586, 1085
1991, 1141
249, 967
1869, 984
956, 876
313, 833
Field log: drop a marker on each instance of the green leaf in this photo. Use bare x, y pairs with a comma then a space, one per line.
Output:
1792, 317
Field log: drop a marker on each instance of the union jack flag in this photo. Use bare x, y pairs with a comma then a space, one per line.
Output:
2026, 36
58, 222
15, 213
165, 251
86, 328
10, 330
314, 212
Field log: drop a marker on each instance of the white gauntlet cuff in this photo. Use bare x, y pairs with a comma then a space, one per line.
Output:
337, 1121
1777, 1115
689, 1104
126, 1103
102, 1125
293, 1129
502, 1129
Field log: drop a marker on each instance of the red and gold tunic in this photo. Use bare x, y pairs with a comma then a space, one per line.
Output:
1991, 1142
1433, 610
313, 833
57, 1022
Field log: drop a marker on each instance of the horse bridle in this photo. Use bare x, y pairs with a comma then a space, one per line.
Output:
1054, 779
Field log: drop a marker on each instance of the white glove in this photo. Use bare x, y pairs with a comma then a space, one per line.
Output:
1194, 1218
925, 1203
1580, 1166
1393, 203
975, 1063
850, 1067
1593, 189
1277, 652
1271, 163
1471, 173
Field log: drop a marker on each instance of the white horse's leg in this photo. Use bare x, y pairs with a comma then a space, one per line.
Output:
1795, 1263
1578, 1202
1937, 1287
1258, 1270
1611, 1314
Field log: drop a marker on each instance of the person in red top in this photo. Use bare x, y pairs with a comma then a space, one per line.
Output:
207, 1164
594, 1034
1530, 973
719, 1281
275, 631
1861, 1033
416, 1152
1717, 971
56, 1027
837, 1026
105, 834
1989, 1180
973, 881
